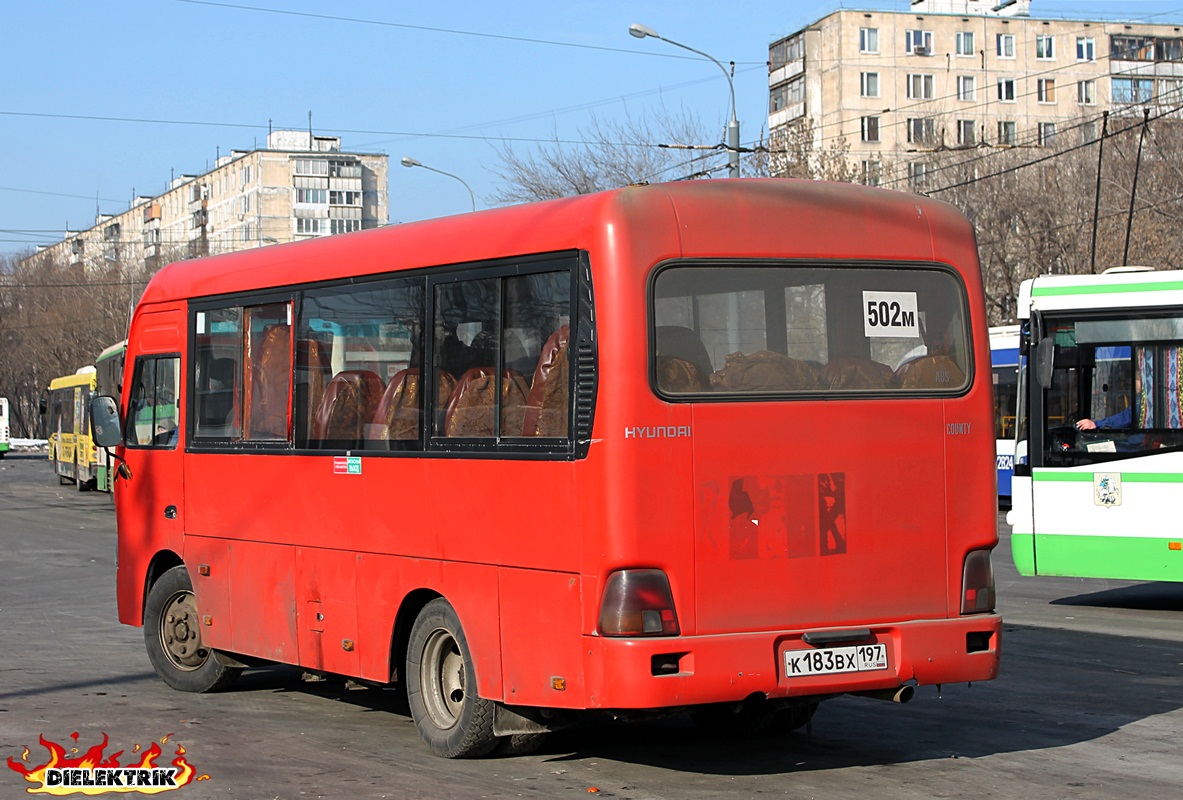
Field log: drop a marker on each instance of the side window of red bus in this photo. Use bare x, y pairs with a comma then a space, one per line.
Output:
243, 373
812, 329
359, 353
152, 406
513, 330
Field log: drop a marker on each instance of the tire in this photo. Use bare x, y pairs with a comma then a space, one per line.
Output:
172, 636
735, 720
441, 687
519, 744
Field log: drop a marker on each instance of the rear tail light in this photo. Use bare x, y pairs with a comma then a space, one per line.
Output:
638, 602
977, 583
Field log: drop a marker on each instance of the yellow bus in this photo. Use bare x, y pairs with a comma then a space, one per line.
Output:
72, 450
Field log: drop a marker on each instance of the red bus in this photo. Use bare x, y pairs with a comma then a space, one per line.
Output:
716, 446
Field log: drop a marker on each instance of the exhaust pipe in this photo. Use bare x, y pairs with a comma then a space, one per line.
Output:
901, 694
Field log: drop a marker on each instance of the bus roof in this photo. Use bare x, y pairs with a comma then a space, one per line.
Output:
720, 218
83, 377
112, 351
1125, 289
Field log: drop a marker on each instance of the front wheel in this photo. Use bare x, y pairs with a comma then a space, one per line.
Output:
441, 686
172, 636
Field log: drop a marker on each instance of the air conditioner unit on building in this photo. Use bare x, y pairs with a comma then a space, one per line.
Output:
920, 50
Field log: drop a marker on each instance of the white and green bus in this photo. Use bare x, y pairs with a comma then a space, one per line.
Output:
3, 426
1098, 480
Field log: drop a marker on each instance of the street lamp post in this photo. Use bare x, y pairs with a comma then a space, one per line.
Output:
642, 31
407, 161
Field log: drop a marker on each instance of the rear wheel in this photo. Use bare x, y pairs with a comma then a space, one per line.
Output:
441, 686
172, 636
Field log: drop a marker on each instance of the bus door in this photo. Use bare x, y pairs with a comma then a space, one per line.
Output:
150, 507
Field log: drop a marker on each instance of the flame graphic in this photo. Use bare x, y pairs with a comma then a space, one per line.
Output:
93, 759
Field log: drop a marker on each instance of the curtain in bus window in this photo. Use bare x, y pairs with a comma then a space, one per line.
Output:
268, 372
358, 361
1173, 411
1145, 367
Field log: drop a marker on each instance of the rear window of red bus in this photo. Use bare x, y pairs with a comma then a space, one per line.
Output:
736, 329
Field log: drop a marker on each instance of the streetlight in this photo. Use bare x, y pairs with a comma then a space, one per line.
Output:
642, 31
410, 162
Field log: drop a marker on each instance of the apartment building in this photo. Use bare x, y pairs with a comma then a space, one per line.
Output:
299, 186
900, 88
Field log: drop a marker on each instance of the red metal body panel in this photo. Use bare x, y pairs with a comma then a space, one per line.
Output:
522, 548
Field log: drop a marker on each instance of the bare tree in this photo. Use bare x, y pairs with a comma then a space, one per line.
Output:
55, 318
611, 154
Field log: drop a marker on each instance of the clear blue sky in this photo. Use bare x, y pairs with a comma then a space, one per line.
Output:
108, 99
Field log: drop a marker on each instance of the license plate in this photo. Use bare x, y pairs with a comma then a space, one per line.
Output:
861, 658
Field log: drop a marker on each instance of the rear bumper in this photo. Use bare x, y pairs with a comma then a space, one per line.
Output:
690, 670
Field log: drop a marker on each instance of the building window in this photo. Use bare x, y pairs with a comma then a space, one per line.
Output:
344, 169
337, 198
1045, 47
1006, 90
1131, 48
1006, 45
872, 173
311, 195
1170, 91
868, 40
1047, 134
1168, 50
870, 129
965, 43
1086, 48
918, 42
869, 84
919, 175
966, 87
307, 226
786, 52
966, 132
1007, 133
1086, 93
1045, 90
311, 166
922, 130
920, 87
787, 94
344, 225
1088, 133
1132, 90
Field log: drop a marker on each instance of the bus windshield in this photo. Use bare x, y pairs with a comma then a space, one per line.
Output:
1115, 388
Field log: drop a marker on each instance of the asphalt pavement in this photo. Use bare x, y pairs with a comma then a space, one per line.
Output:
1089, 703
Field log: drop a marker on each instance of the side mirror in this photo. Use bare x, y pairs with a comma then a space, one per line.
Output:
1045, 361
104, 420
42, 406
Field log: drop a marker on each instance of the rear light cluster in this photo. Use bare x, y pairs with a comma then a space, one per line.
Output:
638, 602
977, 583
